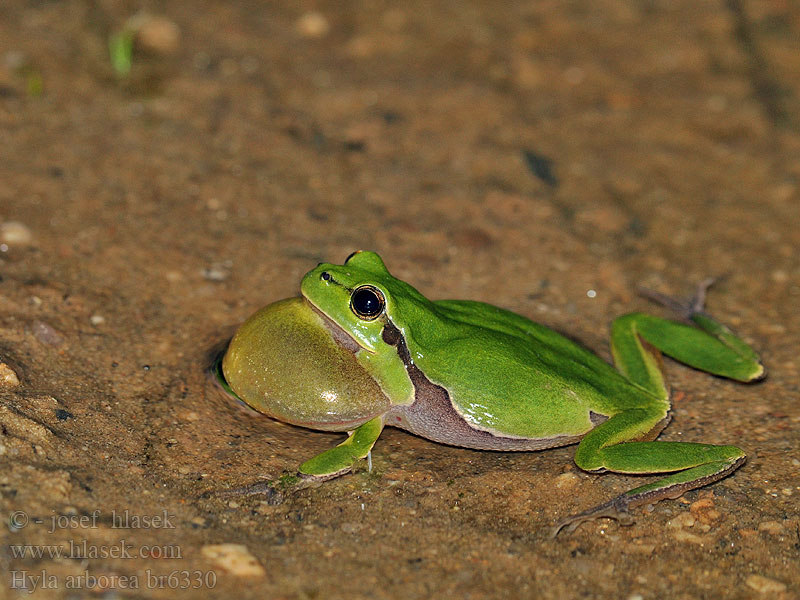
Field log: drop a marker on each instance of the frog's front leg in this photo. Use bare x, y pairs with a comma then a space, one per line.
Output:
327, 465
340, 459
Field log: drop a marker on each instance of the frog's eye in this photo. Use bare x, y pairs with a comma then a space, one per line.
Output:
367, 302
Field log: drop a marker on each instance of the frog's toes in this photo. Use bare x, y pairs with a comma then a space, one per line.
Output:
274, 491
310, 479
686, 308
616, 509
698, 301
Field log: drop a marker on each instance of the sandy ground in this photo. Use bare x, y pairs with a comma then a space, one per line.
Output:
521, 153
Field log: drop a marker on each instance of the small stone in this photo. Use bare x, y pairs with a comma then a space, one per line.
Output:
15, 233
747, 533
685, 519
701, 505
217, 271
703, 510
684, 536
8, 377
566, 480
640, 548
97, 319
313, 25
63, 415
771, 527
47, 334
156, 34
234, 558
780, 276
765, 585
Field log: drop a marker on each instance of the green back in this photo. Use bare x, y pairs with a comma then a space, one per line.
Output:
508, 374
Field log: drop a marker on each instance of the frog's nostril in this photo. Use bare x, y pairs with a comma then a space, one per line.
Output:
325, 275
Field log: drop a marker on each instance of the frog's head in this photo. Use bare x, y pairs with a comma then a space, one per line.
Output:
361, 297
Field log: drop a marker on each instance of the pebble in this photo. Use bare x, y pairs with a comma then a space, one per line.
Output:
313, 25
779, 276
217, 271
566, 480
191, 416
771, 527
46, 334
97, 319
703, 510
681, 535
8, 378
765, 585
234, 558
747, 533
685, 519
155, 34
15, 233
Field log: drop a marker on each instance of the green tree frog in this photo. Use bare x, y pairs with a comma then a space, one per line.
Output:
361, 350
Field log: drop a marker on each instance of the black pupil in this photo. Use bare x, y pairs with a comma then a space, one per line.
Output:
366, 302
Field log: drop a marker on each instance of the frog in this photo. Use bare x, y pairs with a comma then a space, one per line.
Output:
360, 350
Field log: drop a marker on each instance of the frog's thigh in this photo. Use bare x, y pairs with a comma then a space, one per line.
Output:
633, 424
710, 347
339, 460
606, 448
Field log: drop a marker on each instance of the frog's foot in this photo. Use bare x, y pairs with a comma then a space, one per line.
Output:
685, 307
616, 509
275, 491
716, 350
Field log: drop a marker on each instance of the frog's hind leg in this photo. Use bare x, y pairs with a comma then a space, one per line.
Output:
704, 344
609, 447
617, 444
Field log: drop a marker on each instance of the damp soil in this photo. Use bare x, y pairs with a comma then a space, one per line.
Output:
547, 157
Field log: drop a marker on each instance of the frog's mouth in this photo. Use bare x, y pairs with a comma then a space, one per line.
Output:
339, 335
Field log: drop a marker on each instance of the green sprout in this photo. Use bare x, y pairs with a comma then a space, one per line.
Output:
120, 49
